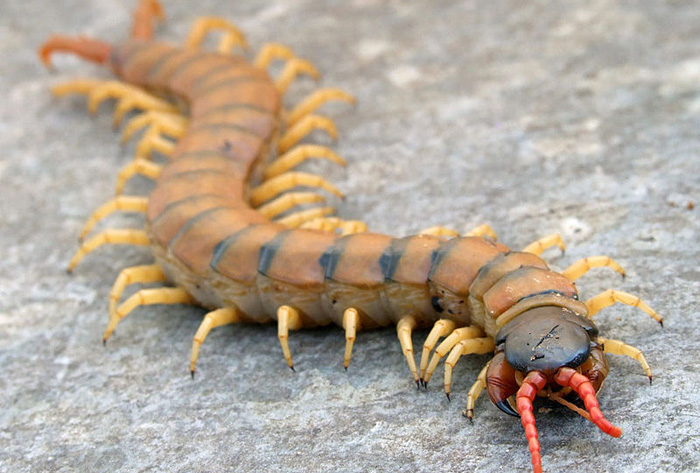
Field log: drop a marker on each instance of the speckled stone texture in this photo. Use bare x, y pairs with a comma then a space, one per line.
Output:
576, 117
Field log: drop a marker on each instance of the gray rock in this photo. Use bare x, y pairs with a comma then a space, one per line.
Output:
578, 117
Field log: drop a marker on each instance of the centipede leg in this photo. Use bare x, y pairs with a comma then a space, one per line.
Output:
483, 230
138, 166
404, 330
296, 219
477, 346
109, 237
170, 124
610, 297
333, 224
271, 51
617, 347
298, 155
463, 333
538, 247
582, 266
475, 391
314, 101
288, 319
305, 126
214, 319
161, 295
232, 36
440, 329
275, 186
118, 204
351, 323
440, 232
129, 97
154, 141
287, 201
134, 275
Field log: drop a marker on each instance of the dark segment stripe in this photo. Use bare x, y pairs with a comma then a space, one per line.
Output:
230, 82
233, 106
223, 245
389, 260
193, 221
222, 126
158, 65
182, 68
236, 256
168, 208
269, 250
202, 153
195, 172
132, 49
329, 259
207, 75
439, 254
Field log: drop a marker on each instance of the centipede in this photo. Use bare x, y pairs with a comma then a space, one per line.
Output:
234, 227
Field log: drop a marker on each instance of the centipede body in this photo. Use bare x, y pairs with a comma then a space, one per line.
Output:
226, 256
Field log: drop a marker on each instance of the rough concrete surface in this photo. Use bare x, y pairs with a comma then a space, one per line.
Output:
575, 117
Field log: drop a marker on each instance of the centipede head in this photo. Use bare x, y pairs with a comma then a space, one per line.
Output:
548, 352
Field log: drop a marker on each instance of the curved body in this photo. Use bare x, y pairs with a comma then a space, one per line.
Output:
209, 240
209, 236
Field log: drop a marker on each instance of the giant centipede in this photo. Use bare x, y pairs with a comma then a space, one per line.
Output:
224, 227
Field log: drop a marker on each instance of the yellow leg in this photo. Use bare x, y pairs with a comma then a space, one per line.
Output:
287, 319
351, 323
287, 201
305, 126
315, 100
483, 230
475, 392
292, 69
609, 297
129, 96
440, 232
404, 329
121, 204
153, 141
350, 227
617, 347
582, 266
440, 329
77, 86
298, 218
134, 275
202, 26
333, 224
137, 166
215, 318
538, 247
275, 186
477, 346
463, 333
171, 124
298, 155
271, 51
110, 237
161, 295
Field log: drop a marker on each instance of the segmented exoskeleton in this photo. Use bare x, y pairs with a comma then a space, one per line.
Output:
220, 225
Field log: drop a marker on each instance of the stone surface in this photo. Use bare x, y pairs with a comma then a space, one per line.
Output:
577, 117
